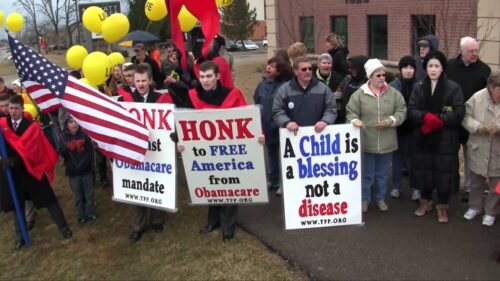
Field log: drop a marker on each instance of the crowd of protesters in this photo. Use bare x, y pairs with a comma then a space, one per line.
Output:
414, 125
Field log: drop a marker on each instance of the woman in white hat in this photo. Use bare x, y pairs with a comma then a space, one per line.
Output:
378, 109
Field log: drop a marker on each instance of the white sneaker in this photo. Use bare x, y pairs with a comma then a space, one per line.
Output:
395, 193
488, 220
471, 213
415, 195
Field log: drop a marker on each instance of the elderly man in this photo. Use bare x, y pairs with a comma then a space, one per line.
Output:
471, 74
482, 121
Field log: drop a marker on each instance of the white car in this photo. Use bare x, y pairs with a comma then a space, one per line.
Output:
249, 45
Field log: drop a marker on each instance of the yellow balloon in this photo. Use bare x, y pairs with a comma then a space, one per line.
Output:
97, 68
116, 58
155, 9
14, 22
86, 81
115, 27
93, 17
186, 20
75, 56
31, 109
2, 17
223, 3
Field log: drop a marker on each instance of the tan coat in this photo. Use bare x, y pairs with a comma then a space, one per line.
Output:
483, 151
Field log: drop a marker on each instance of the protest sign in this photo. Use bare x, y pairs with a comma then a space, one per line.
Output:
223, 160
321, 176
153, 182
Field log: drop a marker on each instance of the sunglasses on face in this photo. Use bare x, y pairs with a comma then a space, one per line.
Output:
304, 69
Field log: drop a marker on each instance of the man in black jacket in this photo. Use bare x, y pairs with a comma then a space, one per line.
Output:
468, 71
145, 94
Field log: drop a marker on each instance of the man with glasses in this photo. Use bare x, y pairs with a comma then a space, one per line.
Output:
471, 74
304, 101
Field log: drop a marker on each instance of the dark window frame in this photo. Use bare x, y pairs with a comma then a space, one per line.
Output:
344, 35
306, 23
376, 42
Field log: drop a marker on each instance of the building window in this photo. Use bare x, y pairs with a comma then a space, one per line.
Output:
307, 32
377, 37
422, 25
339, 27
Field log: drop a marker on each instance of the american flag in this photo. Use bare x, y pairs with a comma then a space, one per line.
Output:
117, 133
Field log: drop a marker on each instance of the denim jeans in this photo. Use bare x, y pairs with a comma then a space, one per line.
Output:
83, 194
375, 170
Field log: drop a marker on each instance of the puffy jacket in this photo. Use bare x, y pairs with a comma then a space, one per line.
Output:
264, 96
304, 106
365, 106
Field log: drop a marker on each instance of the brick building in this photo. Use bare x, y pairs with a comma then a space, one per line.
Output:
385, 29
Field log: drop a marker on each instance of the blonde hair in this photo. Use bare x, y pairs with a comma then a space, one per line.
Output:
335, 40
297, 49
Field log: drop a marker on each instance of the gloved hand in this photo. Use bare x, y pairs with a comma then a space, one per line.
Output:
431, 122
384, 124
358, 123
6, 163
174, 137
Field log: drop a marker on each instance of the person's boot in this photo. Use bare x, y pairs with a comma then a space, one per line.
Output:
442, 212
424, 207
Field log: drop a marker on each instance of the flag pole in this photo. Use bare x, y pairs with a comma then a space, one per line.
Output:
19, 213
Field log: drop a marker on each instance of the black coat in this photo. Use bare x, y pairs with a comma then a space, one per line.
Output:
436, 164
27, 187
471, 79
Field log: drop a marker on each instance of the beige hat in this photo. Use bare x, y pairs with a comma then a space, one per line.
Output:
371, 65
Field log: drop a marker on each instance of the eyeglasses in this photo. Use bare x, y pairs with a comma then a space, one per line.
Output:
304, 69
380, 75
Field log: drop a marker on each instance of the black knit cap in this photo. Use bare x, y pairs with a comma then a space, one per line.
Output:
407, 60
436, 55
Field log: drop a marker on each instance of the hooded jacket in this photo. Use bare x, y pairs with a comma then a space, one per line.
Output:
434, 45
77, 151
350, 85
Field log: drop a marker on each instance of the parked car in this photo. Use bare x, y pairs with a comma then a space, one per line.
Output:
249, 45
231, 45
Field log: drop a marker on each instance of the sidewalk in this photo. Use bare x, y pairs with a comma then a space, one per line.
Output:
392, 245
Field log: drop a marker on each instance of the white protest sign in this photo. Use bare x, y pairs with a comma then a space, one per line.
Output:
321, 176
153, 182
222, 157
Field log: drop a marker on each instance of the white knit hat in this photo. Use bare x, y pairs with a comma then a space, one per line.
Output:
16, 82
371, 65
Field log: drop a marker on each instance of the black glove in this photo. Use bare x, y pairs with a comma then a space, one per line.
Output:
174, 137
7, 163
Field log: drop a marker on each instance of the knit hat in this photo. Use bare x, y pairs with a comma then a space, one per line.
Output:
371, 65
405, 61
16, 82
324, 56
436, 55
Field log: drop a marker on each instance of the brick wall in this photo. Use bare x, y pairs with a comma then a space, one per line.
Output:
454, 19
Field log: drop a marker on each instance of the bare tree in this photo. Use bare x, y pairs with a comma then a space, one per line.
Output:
70, 20
30, 7
51, 10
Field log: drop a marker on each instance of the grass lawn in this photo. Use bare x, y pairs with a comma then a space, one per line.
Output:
103, 251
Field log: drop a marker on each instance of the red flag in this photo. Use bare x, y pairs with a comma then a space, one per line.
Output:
498, 187
205, 11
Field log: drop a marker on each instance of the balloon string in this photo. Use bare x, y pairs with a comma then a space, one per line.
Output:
147, 27
109, 48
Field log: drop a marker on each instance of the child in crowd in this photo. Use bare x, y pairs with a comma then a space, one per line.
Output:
78, 153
